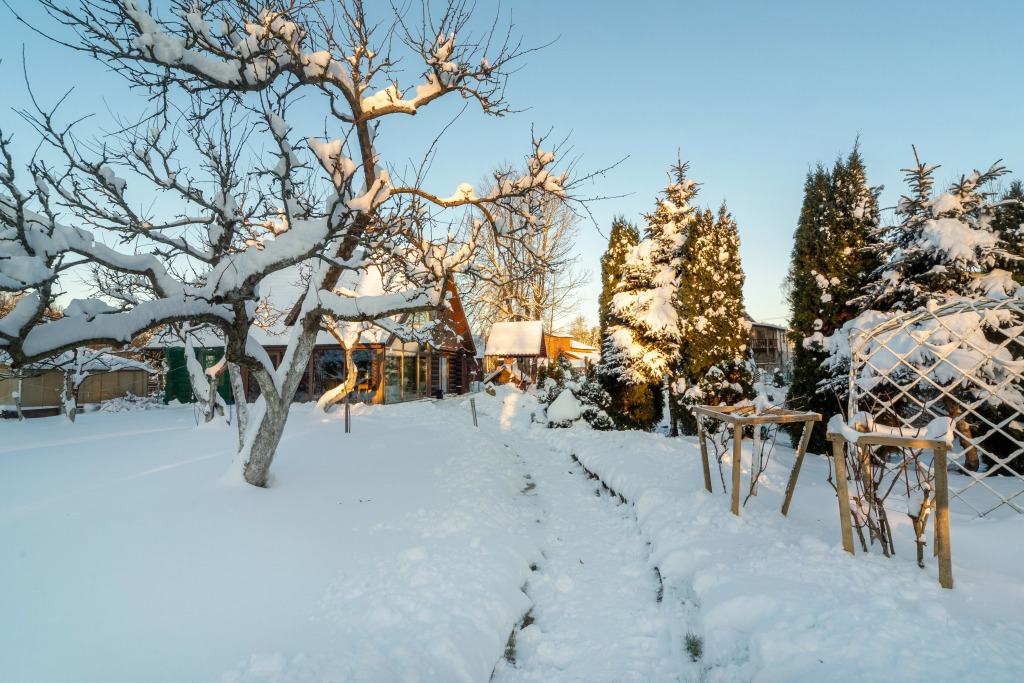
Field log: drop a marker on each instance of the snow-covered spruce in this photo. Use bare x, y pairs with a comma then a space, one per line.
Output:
642, 338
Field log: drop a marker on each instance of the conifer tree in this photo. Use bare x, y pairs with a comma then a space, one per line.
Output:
944, 247
831, 260
1009, 224
714, 339
640, 348
624, 236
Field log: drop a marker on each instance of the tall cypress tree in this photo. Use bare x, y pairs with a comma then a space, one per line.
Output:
711, 304
832, 258
624, 236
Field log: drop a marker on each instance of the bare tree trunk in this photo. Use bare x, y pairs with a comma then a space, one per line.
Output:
338, 393
241, 402
17, 402
68, 397
262, 437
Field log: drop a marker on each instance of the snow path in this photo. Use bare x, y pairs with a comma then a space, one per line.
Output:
597, 608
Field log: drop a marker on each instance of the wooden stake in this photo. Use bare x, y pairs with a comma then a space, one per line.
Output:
472, 404
348, 417
737, 462
942, 518
702, 435
843, 492
755, 456
800, 452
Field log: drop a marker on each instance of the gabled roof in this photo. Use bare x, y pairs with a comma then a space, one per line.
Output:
523, 338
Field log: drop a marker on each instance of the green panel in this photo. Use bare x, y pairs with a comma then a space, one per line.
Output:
177, 384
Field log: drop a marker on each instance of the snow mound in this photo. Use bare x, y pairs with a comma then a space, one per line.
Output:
565, 408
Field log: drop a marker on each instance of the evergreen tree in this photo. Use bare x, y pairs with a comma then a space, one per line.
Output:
1009, 224
714, 338
949, 247
640, 347
945, 246
624, 236
832, 258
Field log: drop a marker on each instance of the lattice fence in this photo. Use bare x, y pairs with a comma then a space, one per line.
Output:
964, 361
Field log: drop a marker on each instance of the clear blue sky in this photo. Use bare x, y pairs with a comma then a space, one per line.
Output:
751, 93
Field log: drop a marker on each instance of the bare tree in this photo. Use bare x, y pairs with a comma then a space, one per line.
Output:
537, 278
242, 196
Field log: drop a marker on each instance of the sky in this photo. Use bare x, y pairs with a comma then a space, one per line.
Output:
752, 94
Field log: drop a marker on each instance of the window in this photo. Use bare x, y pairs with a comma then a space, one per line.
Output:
392, 376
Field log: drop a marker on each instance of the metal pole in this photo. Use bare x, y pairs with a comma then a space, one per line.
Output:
348, 416
472, 404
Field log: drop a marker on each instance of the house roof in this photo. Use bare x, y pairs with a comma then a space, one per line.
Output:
769, 326
522, 338
283, 289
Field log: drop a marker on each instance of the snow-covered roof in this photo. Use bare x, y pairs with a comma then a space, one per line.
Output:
581, 346
774, 327
104, 362
524, 338
282, 290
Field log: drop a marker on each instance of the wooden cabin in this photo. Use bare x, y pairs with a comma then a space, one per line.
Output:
514, 352
581, 356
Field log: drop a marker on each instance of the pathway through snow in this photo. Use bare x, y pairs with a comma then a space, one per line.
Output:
598, 613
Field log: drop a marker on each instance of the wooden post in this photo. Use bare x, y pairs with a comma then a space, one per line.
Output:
843, 493
942, 517
702, 435
472, 404
348, 416
737, 462
755, 454
801, 450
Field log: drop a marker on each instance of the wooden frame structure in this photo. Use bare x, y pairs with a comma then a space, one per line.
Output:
940, 449
739, 417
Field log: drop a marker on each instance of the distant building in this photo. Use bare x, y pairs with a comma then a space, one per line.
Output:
771, 347
514, 351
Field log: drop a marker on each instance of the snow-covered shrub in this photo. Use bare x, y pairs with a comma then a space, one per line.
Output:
778, 379
130, 403
585, 397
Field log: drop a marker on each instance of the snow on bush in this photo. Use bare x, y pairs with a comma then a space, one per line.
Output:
130, 403
568, 396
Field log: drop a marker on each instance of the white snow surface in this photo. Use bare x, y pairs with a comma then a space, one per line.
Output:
411, 548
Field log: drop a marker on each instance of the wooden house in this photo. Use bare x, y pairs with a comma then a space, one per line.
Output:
771, 347
514, 352
389, 369
581, 356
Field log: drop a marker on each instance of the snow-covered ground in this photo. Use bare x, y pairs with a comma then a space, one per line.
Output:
412, 548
